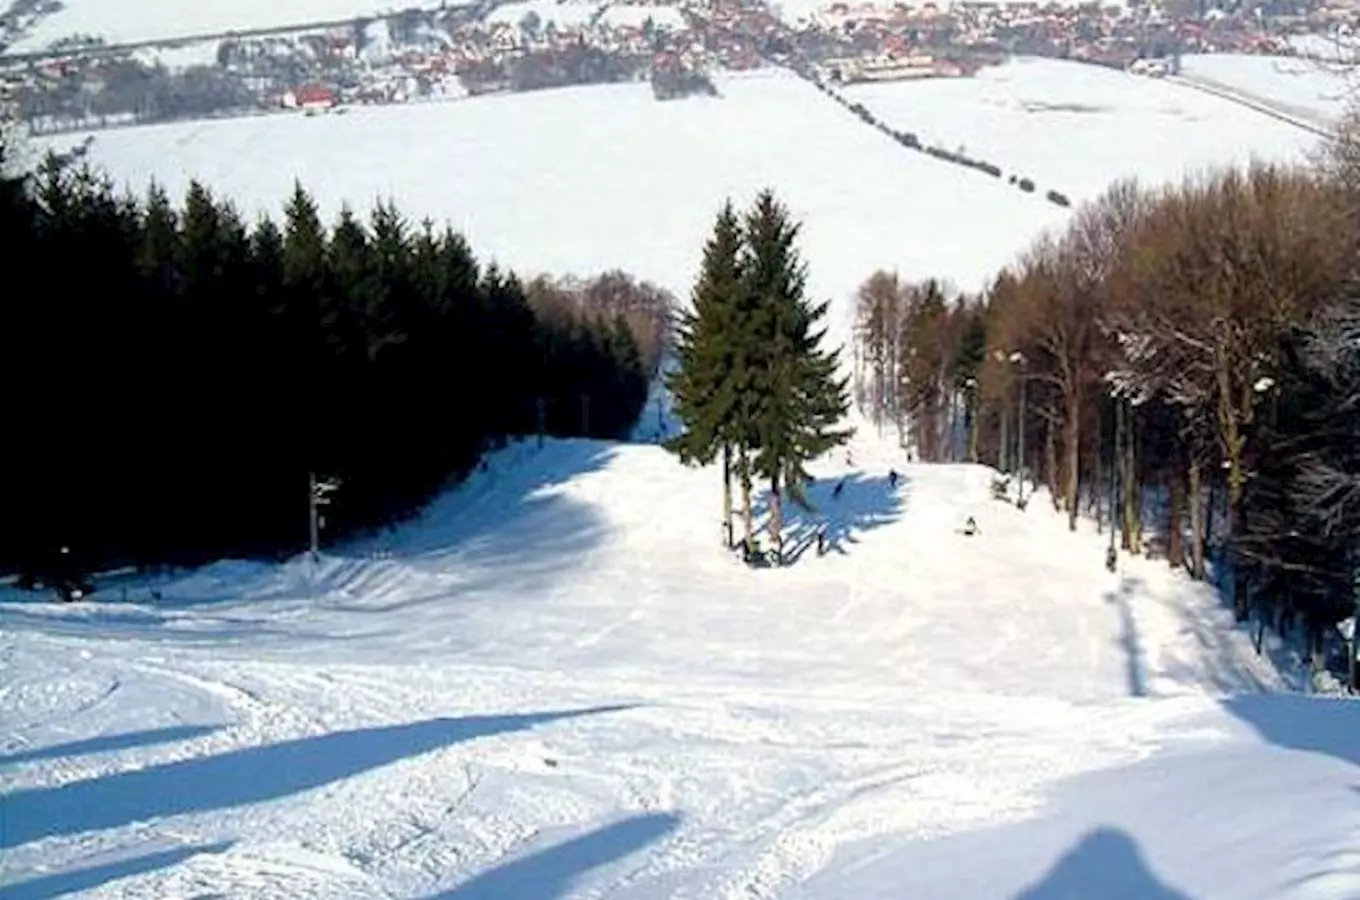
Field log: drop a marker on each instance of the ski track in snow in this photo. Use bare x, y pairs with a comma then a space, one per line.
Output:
918, 684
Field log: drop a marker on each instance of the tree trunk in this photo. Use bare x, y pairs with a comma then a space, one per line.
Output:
1236, 483
1129, 494
973, 429
727, 495
1098, 472
1051, 467
1198, 538
777, 520
1072, 440
1175, 547
744, 473
1003, 445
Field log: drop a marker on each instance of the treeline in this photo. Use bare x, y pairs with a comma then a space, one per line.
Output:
174, 376
1197, 346
753, 384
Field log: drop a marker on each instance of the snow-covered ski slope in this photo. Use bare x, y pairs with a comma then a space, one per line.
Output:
556, 684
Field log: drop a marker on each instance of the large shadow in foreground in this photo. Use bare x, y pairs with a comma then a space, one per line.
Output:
1104, 865
552, 872
1314, 724
250, 775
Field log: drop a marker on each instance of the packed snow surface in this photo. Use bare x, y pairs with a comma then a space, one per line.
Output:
556, 684
1075, 128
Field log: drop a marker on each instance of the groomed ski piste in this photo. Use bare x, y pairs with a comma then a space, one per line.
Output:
557, 684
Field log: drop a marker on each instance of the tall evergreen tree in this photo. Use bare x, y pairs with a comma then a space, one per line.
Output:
801, 399
704, 386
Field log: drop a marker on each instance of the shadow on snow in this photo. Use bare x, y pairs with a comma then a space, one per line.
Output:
1330, 727
111, 742
1106, 863
508, 520
1136, 672
552, 872
239, 777
95, 876
864, 502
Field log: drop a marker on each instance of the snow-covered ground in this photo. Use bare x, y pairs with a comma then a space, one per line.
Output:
1075, 128
592, 178
1314, 91
587, 179
126, 21
556, 685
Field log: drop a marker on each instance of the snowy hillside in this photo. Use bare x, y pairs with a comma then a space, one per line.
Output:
1075, 128
590, 178
555, 685
1318, 92
125, 21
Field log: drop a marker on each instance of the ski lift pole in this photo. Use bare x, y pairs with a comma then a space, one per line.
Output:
318, 495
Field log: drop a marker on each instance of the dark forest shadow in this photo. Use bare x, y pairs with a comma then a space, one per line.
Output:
239, 777
551, 873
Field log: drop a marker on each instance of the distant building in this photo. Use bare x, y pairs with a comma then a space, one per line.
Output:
311, 97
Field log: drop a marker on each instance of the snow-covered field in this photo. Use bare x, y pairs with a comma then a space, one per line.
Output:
122, 21
591, 178
1314, 91
1075, 128
556, 685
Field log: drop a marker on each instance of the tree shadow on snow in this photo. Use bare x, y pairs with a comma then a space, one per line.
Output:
1135, 670
239, 777
506, 510
552, 872
864, 503
1312, 724
1106, 863
506, 524
94, 876
110, 742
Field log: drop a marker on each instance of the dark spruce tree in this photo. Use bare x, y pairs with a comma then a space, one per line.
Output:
704, 385
207, 368
801, 400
